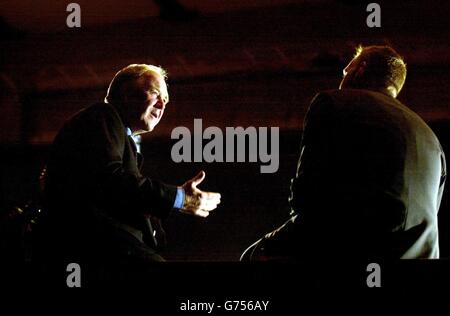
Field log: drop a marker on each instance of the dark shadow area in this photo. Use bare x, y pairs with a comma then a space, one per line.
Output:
252, 203
256, 67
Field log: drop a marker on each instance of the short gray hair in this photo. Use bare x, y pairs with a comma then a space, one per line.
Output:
130, 73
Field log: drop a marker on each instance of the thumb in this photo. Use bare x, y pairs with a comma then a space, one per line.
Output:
198, 178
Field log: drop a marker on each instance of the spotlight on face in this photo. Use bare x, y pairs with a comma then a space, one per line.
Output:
149, 108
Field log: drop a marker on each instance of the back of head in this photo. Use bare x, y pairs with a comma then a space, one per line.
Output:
377, 68
124, 82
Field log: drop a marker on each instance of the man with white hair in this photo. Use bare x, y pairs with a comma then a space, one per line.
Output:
98, 205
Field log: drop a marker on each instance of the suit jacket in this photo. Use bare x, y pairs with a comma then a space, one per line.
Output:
96, 196
369, 180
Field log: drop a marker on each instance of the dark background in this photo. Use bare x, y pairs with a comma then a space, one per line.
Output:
230, 64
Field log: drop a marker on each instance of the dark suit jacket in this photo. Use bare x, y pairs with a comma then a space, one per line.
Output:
370, 179
97, 200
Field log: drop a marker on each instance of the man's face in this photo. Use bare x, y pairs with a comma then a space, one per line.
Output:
351, 73
149, 107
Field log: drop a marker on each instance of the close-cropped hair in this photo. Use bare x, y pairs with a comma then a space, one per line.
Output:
384, 66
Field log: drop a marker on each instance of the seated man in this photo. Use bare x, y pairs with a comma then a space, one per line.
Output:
370, 175
98, 205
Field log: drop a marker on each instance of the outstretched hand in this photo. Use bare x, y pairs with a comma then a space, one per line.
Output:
198, 202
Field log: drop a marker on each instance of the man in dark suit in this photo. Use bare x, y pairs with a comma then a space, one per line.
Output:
370, 175
98, 205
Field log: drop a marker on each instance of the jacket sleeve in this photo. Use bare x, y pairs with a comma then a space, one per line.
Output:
314, 164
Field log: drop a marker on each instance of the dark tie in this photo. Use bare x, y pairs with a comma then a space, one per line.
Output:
149, 233
136, 151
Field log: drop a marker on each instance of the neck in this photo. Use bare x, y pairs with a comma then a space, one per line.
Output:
126, 120
389, 91
138, 132
119, 110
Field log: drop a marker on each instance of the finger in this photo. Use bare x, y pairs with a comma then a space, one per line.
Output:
201, 213
197, 212
210, 195
198, 178
209, 208
208, 205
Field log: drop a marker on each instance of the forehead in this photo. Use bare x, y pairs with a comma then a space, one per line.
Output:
353, 63
153, 81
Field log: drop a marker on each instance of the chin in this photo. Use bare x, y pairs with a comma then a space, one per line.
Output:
148, 127
151, 125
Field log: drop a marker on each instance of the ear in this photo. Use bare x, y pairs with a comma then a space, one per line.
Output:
392, 91
361, 69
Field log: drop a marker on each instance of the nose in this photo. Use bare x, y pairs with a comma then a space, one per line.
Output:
160, 104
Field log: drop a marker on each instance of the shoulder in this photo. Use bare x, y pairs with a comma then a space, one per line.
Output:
99, 118
359, 101
372, 107
354, 96
331, 99
99, 110
97, 114
324, 96
323, 102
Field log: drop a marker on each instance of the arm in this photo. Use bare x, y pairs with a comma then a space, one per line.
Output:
283, 244
116, 182
315, 162
121, 182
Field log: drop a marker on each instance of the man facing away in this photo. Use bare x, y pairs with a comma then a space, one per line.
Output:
98, 205
370, 176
